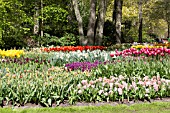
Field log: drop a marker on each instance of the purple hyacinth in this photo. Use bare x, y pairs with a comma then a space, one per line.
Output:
82, 65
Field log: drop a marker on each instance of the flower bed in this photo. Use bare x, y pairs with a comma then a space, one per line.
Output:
159, 45
90, 76
143, 51
83, 66
120, 88
72, 48
11, 53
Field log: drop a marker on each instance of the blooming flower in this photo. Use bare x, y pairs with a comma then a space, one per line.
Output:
120, 91
156, 87
80, 91
100, 92
79, 86
84, 82
147, 90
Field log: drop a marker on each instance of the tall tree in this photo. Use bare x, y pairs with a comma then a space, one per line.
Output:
91, 24
79, 20
167, 15
140, 21
100, 22
117, 19
36, 18
41, 24
161, 10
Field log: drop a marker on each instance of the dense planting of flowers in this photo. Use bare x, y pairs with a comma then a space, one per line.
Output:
119, 88
73, 48
23, 60
166, 45
11, 53
143, 51
84, 75
61, 58
83, 66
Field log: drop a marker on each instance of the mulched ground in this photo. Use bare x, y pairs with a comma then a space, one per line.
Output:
66, 104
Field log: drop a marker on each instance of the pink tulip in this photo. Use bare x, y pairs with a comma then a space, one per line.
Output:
147, 90
79, 86
148, 83
120, 91
146, 78
155, 87
112, 55
111, 85
80, 91
133, 84
162, 54
155, 53
84, 82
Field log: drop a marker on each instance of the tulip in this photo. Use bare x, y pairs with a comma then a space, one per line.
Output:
162, 54
120, 91
80, 91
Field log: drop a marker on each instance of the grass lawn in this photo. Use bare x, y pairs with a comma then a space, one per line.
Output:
156, 107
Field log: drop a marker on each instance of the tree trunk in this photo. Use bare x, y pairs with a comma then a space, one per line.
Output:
80, 21
117, 19
36, 20
168, 31
140, 21
91, 24
1, 37
41, 24
100, 24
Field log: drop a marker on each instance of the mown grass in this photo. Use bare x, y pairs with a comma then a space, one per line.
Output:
156, 107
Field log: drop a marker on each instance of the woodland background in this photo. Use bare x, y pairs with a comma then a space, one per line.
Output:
33, 23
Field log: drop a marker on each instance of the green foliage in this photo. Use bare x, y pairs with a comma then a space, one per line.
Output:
12, 24
119, 47
130, 68
17, 21
68, 40
55, 20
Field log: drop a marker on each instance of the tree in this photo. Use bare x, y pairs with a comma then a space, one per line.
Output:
100, 22
161, 10
117, 19
91, 24
41, 24
36, 18
14, 23
79, 20
140, 21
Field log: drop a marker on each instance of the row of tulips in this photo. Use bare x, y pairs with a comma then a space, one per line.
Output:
127, 66
62, 58
83, 66
151, 46
23, 60
11, 53
143, 51
72, 48
120, 88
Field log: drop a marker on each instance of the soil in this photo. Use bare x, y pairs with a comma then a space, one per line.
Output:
66, 104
